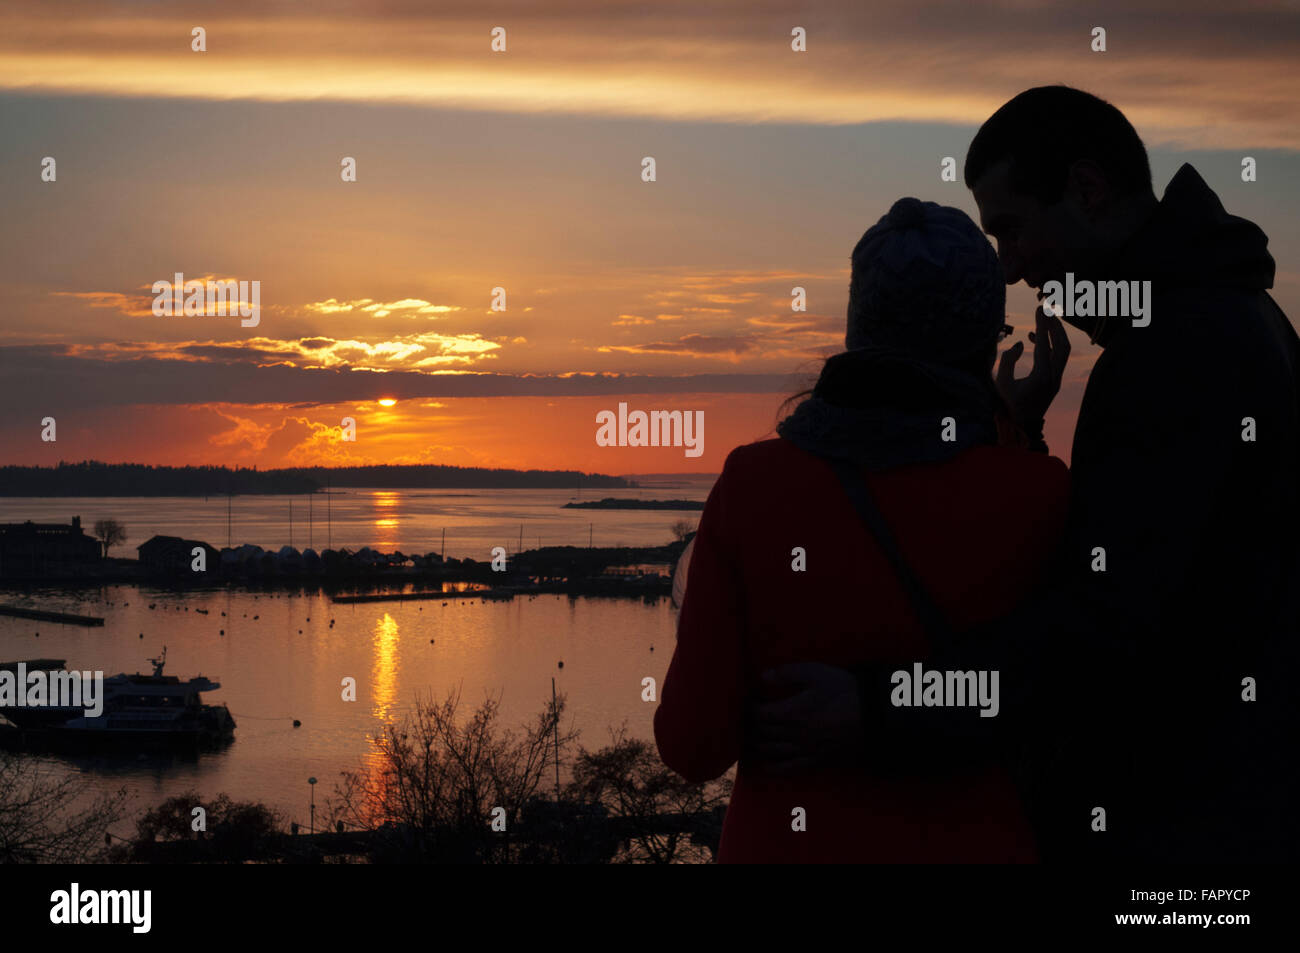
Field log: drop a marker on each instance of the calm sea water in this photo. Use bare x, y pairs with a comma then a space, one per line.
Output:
280, 660
411, 521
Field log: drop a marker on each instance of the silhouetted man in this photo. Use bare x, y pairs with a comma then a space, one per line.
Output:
1150, 692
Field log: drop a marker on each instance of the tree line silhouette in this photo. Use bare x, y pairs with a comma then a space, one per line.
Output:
92, 478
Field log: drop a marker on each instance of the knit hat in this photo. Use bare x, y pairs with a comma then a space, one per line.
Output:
927, 281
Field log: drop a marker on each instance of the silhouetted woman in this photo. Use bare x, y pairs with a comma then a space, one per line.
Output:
784, 568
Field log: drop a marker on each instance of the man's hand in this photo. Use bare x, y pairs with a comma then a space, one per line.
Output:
1030, 397
817, 726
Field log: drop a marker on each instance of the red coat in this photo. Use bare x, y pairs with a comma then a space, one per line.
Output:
976, 529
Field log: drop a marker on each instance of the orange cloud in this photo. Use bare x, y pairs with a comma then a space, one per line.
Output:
407, 307
134, 306
404, 352
690, 345
954, 63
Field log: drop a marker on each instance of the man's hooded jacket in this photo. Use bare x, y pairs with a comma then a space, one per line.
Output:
1151, 695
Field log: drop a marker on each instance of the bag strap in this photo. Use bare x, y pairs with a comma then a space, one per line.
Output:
931, 616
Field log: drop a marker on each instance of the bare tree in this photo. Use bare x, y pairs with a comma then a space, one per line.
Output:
40, 820
661, 809
109, 533
681, 529
234, 830
436, 783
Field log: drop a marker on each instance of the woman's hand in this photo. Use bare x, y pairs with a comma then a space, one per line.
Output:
816, 725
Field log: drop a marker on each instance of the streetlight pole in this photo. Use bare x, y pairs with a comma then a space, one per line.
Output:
312, 782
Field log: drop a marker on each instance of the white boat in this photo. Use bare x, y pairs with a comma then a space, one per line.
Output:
157, 706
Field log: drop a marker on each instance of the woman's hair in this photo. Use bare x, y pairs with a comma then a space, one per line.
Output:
984, 375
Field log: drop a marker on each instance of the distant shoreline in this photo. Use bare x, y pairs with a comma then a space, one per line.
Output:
94, 479
614, 503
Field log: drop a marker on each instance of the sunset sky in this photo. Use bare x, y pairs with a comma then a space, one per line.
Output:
522, 170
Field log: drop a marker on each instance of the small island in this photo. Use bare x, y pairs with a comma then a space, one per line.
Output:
612, 503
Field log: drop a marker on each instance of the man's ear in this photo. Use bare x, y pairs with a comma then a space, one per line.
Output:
1087, 184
